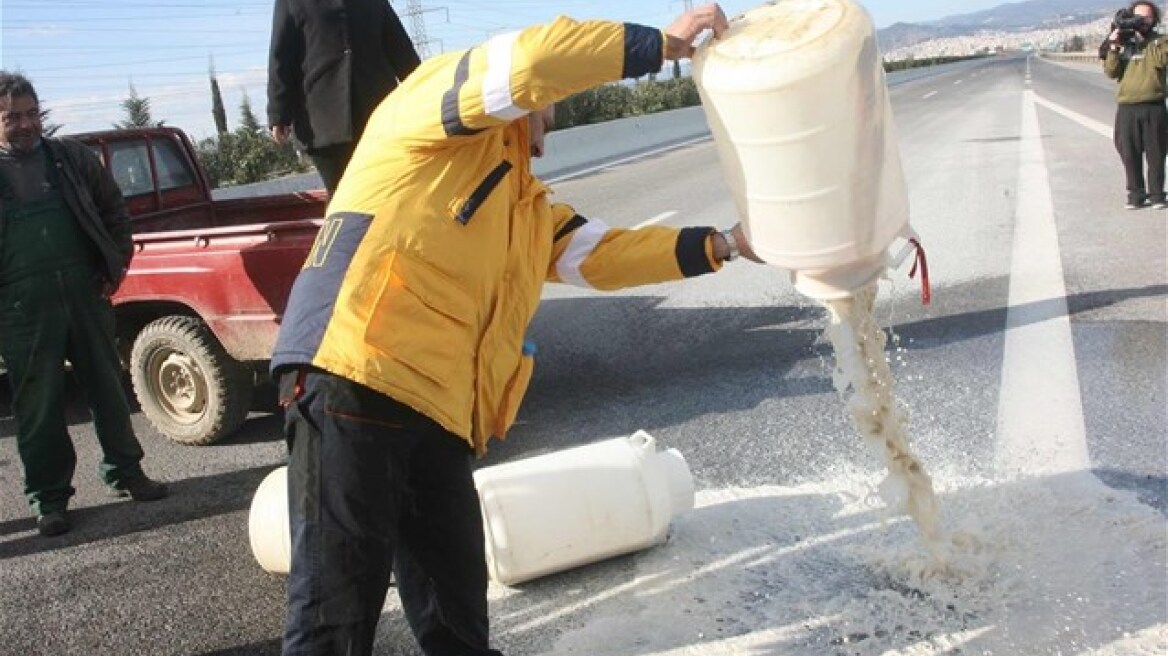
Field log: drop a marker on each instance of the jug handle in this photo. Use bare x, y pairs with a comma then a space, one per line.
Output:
642, 440
913, 244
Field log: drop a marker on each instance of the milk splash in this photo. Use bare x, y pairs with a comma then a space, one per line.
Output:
862, 368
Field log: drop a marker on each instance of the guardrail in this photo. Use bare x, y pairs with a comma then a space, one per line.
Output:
1076, 57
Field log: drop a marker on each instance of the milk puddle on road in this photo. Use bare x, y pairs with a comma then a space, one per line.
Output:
1056, 564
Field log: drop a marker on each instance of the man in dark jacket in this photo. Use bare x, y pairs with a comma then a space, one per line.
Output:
1138, 60
64, 248
331, 63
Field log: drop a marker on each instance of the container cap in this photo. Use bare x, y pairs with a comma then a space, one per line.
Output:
679, 479
839, 282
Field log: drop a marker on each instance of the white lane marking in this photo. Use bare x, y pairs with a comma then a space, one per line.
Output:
1040, 427
958, 82
657, 219
928, 95
631, 158
1091, 124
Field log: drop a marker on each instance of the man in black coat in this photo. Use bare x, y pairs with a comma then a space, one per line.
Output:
331, 64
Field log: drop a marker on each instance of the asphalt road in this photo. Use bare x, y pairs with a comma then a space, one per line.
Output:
733, 371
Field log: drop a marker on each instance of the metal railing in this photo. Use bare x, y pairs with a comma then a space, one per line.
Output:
1076, 57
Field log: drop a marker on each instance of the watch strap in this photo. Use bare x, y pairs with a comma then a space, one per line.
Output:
731, 245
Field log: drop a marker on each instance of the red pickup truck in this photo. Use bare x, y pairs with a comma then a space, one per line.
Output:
198, 312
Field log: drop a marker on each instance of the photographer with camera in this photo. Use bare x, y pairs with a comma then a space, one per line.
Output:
1137, 56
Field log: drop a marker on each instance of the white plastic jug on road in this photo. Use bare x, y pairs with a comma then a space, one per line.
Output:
543, 514
557, 511
795, 96
267, 523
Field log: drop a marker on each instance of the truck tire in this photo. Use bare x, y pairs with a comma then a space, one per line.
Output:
187, 385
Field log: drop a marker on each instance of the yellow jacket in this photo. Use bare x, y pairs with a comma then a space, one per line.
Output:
430, 264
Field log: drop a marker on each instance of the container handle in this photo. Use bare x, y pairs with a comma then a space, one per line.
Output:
923, 264
913, 245
642, 440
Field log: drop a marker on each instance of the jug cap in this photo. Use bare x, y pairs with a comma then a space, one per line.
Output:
839, 282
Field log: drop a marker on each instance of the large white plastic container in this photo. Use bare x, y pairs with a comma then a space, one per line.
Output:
543, 514
796, 99
268, 525
581, 505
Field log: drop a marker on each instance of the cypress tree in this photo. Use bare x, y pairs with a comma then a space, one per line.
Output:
217, 110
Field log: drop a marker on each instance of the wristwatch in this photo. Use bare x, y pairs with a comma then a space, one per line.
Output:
731, 245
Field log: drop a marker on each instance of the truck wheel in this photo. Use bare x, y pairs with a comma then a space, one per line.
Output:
186, 384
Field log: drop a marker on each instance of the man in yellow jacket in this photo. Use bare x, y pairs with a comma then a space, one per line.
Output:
402, 347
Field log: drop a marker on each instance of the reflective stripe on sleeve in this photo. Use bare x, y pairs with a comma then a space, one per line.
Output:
584, 241
497, 98
451, 116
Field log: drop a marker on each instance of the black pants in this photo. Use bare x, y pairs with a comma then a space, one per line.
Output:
330, 163
374, 486
1141, 131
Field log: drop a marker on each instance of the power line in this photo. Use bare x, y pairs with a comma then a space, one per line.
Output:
476, 23
99, 19
136, 62
96, 77
138, 30
417, 25
106, 5
79, 49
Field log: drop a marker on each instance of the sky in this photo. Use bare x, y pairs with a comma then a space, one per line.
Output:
83, 55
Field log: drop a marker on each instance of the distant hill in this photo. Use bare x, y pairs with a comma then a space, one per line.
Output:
902, 35
1013, 17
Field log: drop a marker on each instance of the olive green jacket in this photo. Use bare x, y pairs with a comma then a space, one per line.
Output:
1141, 77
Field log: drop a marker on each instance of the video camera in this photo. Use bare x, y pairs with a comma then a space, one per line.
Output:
1128, 23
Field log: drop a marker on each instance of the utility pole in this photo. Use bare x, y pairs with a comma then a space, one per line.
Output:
418, 27
416, 24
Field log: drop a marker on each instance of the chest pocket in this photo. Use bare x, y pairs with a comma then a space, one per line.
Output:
463, 207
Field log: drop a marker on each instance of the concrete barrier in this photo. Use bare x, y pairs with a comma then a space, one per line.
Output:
583, 146
1074, 57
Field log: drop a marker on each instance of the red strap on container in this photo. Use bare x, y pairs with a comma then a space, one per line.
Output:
926, 291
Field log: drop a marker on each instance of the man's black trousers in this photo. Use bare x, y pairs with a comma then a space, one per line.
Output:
330, 163
1141, 131
375, 486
